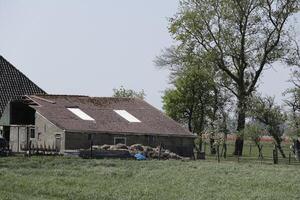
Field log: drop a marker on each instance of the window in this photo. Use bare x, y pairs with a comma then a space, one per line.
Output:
32, 133
82, 115
126, 115
120, 140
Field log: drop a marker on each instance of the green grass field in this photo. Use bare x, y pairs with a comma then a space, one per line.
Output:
74, 178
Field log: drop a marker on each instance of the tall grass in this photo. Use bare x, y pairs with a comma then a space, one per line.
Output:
72, 178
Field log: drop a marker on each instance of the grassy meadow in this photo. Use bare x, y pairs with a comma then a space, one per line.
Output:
75, 178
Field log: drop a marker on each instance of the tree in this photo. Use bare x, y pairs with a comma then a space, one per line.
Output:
267, 112
196, 100
254, 131
241, 37
128, 93
294, 103
190, 101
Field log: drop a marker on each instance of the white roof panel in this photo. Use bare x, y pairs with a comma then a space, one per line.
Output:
82, 115
126, 115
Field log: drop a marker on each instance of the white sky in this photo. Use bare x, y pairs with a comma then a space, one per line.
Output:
90, 47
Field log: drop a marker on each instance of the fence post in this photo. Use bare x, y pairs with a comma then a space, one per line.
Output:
225, 150
290, 158
29, 149
218, 153
250, 151
159, 152
91, 145
275, 155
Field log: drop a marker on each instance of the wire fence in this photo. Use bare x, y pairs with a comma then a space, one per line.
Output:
268, 153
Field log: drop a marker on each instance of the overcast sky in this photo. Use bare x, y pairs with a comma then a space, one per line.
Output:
90, 47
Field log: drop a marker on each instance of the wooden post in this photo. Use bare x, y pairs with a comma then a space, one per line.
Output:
250, 150
275, 155
90, 137
29, 149
218, 153
159, 152
225, 150
260, 154
290, 158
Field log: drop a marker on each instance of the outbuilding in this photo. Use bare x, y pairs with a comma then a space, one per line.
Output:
70, 122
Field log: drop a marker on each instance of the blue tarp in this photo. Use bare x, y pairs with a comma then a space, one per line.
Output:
140, 156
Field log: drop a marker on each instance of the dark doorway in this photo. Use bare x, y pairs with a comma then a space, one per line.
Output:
21, 114
6, 133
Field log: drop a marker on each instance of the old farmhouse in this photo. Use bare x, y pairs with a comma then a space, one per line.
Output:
28, 115
70, 122
13, 85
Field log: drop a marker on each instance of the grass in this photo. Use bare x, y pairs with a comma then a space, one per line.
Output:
74, 178
250, 153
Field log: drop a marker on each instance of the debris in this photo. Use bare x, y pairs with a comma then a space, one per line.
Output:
140, 156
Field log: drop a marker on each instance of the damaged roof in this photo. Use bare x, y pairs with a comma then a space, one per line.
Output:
14, 84
105, 115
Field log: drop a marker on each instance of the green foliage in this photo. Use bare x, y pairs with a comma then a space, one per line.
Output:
294, 113
267, 112
238, 38
195, 99
254, 132
70, 178
128, 93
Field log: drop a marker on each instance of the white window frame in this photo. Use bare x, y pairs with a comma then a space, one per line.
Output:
120, 138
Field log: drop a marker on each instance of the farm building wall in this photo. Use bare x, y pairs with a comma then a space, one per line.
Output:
5, 118
18, 138
180, 145
48, 134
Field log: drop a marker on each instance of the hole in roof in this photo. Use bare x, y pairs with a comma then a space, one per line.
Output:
79, 113
126, 115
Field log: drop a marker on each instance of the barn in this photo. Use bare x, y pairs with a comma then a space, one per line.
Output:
13, 85
70, 122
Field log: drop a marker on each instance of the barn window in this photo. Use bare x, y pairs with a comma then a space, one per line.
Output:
120, 140
82, 115
32, 133
126, 115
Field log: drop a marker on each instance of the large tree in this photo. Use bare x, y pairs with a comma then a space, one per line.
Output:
241, 38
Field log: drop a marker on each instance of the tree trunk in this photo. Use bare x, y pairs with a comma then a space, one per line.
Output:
281, 150
213, 150
239, 142
278, 144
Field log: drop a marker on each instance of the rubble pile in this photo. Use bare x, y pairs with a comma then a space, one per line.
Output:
149, 152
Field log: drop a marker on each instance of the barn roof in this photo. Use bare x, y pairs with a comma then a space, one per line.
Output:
105, 115
14, 84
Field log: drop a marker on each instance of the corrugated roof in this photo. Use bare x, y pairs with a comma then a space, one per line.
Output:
14, 84
153, 121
